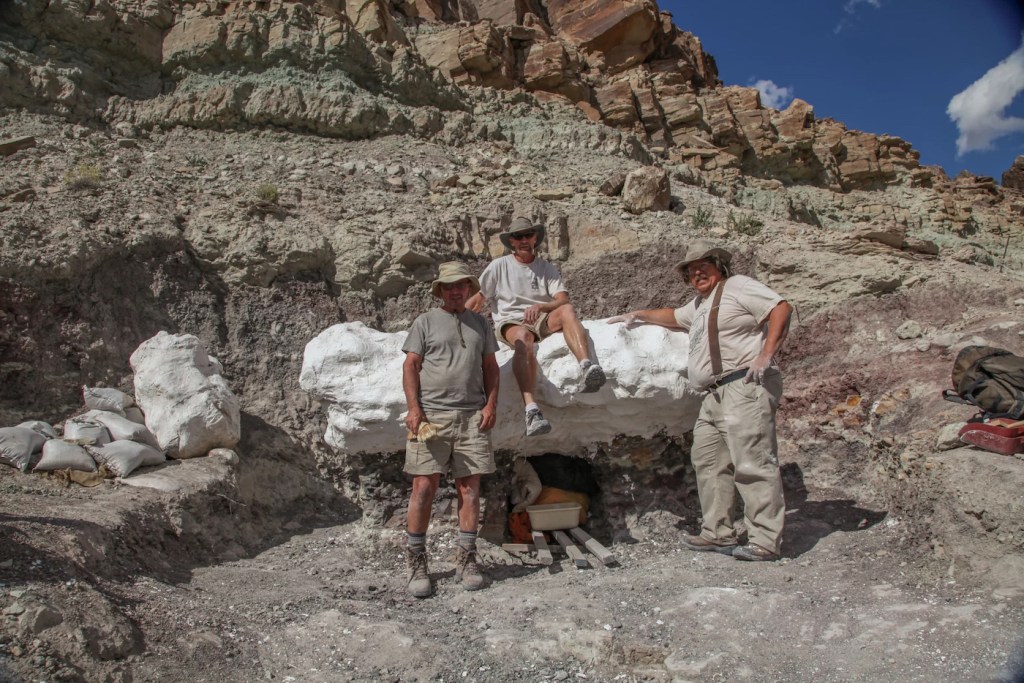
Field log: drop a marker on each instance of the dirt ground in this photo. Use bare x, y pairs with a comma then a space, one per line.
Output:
118, 583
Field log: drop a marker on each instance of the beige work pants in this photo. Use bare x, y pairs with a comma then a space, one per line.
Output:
734, 449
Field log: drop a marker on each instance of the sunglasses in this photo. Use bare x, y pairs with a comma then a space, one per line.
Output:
461, 284
522, 235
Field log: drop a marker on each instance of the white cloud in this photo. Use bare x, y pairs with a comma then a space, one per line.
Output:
772, 95
851, 5
979, 111
851, 8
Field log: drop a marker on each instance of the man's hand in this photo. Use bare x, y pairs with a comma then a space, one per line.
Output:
531, 314
488, 416
755, 373
630, 319
476, 303
413, 419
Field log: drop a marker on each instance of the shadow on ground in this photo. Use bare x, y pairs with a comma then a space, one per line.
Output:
809, 521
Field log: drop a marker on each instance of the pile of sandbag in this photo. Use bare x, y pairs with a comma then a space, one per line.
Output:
182, 408
112, 432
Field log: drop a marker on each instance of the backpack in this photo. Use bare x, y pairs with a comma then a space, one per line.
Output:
991, 379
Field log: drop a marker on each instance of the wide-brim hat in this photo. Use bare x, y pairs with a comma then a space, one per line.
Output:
701, 249
454, 271
521, 225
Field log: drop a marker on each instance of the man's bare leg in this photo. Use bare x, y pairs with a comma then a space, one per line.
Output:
564, 319
524, 367
467, 566
524, 360
421, 501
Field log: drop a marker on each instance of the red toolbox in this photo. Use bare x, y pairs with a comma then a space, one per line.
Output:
998, 435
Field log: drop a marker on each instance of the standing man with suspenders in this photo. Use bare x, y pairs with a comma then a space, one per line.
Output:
736, 326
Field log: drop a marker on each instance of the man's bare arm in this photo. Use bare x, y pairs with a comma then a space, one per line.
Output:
411, 385
666, 317
492, 373
476, 302
778, 328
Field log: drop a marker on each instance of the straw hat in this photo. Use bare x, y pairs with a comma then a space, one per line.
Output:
454, 271
521, 225
701, 249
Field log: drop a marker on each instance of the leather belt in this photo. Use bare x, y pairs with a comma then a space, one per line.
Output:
725, 379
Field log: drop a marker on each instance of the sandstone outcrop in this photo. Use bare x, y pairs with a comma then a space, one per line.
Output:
1013, 177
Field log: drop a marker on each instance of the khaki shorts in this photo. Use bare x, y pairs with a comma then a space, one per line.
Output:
459, 445
540, 328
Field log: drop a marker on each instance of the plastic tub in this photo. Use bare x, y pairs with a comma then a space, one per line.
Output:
554, 516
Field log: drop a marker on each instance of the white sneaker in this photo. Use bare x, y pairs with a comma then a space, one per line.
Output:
593, 379
536, 424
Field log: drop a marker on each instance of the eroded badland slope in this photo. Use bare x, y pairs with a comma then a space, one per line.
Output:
254, 172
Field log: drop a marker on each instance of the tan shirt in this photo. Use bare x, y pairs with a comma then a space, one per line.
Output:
742, 315
511, 287
452, 376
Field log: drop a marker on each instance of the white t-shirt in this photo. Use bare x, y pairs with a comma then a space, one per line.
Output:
511, 287
742, 314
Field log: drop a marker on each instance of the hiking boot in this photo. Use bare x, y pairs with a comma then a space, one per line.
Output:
752, 552
701, 544
593, 379
467, 569
419, 578
536, 424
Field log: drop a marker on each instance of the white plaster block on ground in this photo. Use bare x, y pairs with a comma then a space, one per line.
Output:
188, 404
357, 373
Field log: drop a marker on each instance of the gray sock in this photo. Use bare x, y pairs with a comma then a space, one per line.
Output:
416, 542
467, 540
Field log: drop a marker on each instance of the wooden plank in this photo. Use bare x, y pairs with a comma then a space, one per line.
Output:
517, 547
543, 552
571, 550
600, 552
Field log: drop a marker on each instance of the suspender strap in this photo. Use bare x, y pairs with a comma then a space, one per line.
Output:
716, 351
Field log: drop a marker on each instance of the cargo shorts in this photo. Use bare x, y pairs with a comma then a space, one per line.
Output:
459, 446
540, 328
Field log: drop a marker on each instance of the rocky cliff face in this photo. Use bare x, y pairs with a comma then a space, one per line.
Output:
255, 171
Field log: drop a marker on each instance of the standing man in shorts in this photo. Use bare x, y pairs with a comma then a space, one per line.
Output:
529, 303
450, 378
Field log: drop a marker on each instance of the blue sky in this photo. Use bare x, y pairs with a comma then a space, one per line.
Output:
945, 75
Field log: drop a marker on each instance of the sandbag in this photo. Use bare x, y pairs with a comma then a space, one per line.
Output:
18, 445
121, 428
526, 485
134, 413
85, 432
63, 455
103, 398
44, 428
124, 457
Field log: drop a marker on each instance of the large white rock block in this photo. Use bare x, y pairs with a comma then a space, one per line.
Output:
188, 404
356, 372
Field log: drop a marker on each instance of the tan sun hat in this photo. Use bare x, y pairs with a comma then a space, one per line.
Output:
454, 271
701, 249
521, 225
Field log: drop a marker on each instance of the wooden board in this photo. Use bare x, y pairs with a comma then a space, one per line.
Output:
571, 550
517, 547
543, 552
600, 552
